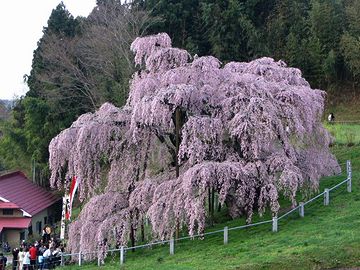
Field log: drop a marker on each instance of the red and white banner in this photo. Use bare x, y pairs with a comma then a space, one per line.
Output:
67, 205
73, 187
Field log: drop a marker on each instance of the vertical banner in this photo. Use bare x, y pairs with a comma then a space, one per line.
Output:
73, 187
67, 206
63, 216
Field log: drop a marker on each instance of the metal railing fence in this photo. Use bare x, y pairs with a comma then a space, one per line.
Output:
275, 227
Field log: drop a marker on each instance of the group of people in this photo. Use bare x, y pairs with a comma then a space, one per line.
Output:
34, 256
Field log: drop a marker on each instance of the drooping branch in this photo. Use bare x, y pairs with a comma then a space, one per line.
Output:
250, 132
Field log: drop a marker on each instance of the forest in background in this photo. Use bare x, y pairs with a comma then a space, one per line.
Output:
80, 63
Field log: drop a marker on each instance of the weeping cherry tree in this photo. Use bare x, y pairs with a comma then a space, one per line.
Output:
249, 132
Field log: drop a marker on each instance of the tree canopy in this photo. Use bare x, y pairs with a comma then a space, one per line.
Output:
80, 63
251, 132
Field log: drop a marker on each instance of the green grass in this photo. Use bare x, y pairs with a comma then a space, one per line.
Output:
346, 134
327, 237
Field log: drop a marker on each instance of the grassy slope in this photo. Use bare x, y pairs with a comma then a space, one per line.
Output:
328, 237
345, 134
344, 102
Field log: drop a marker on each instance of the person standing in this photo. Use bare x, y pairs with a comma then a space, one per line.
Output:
331, 118
26, 261
47, 256
33, 254
40, 260
21, 258
3, 261
15, 254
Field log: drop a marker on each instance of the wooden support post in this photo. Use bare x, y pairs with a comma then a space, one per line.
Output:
274, 224
80, 258
122, 255
349, 185
349, 171
301, 209
172, 246
326, 196
226, 235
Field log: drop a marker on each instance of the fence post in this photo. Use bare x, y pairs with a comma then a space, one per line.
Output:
122, 257
80, 258
99, 261
349, 171
301, 209
326, 197
275, 224
172, 246
62, 259
226, 235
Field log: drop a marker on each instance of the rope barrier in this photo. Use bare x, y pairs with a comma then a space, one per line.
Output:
313, 199
288, 213
341, 183
345, 121
249, 225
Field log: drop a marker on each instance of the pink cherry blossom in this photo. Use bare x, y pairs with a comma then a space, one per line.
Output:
250, 132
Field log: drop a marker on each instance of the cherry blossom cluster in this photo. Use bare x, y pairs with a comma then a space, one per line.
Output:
251, 132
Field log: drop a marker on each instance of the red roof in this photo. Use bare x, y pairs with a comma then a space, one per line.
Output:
14, 223
8, 205
16, 188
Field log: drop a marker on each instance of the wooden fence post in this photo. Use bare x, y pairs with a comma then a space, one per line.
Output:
226, 235
172, 246
122, 255
80, 258
326, 197
274, 224
349, 171
349, 185
301, 209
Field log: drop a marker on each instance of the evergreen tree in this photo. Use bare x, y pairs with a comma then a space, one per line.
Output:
230, 31
350, 41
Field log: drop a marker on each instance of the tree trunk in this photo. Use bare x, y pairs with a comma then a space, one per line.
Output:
212, 203
142, 231
132, 237
209, 201
177, 232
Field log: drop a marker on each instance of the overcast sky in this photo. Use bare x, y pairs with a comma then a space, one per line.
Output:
21, 25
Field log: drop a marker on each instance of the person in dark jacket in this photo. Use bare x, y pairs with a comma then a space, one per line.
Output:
3, 261
15, 253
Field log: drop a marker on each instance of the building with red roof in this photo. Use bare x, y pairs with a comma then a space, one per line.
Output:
25, 208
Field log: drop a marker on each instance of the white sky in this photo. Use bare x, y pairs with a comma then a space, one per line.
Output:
21, 25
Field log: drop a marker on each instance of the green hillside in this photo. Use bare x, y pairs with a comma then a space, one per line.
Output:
327, 237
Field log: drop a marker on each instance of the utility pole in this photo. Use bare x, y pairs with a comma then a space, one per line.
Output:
177, 145
177, 139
